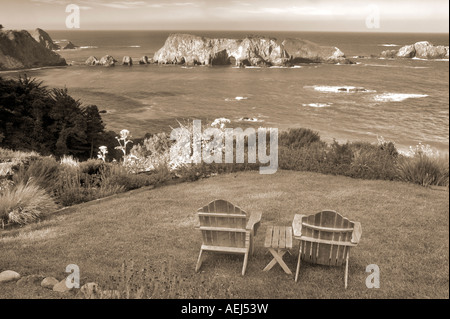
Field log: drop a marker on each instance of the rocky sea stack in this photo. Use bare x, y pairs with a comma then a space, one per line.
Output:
70, 46
250, 51
19, 50
421, 50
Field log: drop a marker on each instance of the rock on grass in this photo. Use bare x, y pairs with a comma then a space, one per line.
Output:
9, 275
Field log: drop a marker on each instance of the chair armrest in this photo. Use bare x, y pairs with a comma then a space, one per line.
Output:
254, 222
356, 235
297, 225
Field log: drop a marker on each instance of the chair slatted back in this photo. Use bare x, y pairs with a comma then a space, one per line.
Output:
326, 237
222, 224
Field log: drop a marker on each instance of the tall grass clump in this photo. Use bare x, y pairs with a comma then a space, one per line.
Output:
43, 171
371, 161
424, 170
24, 203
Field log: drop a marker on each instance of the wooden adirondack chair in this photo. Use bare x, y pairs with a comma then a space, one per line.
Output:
226, 228
325, 239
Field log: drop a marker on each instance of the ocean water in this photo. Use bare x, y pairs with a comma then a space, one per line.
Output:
405, 101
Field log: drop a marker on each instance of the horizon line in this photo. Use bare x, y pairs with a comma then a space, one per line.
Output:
249, 30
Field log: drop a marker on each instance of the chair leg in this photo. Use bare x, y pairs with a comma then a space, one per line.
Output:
346, 268
245, 264
298, 262
199, 261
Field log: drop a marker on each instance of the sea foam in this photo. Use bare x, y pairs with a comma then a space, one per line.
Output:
397, 97
317, 104
237, 98
340, 89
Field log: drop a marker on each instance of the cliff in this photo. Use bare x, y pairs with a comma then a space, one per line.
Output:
43, 38
19, 50
250, 51
421, 50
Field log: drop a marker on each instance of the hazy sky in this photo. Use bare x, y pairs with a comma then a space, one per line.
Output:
295, 15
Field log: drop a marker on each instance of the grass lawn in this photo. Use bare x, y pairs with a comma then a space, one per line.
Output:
405, 232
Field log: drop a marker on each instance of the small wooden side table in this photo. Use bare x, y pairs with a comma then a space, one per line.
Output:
278, 241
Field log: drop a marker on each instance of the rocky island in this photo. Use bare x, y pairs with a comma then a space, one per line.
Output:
21, 50
420, 50
251, 51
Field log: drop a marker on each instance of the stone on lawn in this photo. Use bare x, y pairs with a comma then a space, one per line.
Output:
9, 275
49, 282
90, 290
61, 286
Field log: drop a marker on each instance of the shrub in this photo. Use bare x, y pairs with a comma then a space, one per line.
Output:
298, 138
119, 175
44, 171
76, 187
308, 158
94, 167
373, 161
25, 203
424, 170
10, 161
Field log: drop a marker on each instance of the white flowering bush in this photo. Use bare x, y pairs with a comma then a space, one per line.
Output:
422, 150
151, 154
123, 141
193, 142
102, 151
69, 160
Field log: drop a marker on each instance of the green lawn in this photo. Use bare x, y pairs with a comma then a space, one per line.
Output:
405, 232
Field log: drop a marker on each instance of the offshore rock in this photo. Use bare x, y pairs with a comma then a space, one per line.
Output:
70, 46
127, 61
92, 60
303, 51
251, 51
107, 61
144, 60
421, 50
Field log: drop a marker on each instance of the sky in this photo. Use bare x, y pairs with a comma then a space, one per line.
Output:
247, 15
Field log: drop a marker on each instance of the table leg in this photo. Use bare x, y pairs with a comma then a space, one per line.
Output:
278, 257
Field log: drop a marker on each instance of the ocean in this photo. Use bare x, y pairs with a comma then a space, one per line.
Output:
405, 101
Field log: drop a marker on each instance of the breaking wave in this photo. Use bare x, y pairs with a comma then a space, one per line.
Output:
237, 98
388, 45
250, 119
317, 104
397, 97
340, 89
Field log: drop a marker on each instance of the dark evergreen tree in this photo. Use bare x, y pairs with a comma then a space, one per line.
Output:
33, 117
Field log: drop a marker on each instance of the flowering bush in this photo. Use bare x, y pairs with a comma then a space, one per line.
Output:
195, 141
103, 150
123, 141
422, 150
